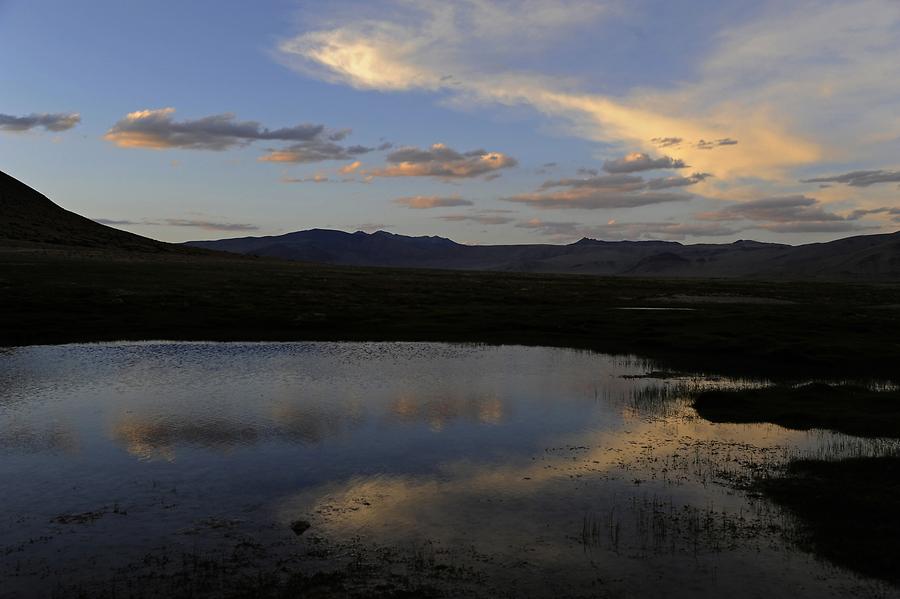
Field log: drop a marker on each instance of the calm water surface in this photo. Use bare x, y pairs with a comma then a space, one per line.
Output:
511, 471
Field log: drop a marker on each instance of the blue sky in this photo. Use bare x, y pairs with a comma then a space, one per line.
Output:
487, 121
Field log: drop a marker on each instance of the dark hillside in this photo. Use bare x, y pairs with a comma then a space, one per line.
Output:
28, 218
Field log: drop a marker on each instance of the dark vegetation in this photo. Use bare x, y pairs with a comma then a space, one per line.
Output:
850, 510
847, 409
69, 295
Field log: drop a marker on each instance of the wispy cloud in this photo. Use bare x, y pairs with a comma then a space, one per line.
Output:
432, 45
778, 209
860, 178
372, 227
715, 143
317, 150
316, 178
180, 222
117, 222
209, 225
606, 191
785, 214
666, 142
613, 230
482, 219
861, 212
594, 199
668, 182
56, 122
426, 202
638, 161
350, 168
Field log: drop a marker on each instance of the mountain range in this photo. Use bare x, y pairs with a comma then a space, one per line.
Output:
864, 257
30, 219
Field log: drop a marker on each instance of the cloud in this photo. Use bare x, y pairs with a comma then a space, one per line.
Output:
317, 178
816, 227
785, 214
860, 178
668, 182
314, 150
419, 45
606, 191
209, 225
426, 202
666, 142
114, 222
181, 222
441, 47
594, 199
638, 161
483, 219
62, 121
777, 209
709, 145
157, 129
442, 162
350, 168
610, 182
859, 213
369, 227
562, 230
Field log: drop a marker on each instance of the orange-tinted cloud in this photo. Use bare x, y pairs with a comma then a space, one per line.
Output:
157, 129
426, 202
350, 168
442, 162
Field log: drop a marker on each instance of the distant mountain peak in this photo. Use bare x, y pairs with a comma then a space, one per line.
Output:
587, 241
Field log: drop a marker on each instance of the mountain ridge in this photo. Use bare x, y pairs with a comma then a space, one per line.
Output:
30, 219
862, 257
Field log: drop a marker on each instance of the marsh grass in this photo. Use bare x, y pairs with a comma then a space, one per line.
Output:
648, 525
850, 409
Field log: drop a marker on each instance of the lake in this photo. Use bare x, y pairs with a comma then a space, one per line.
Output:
185, 469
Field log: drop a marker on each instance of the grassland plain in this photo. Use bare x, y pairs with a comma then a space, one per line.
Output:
773, 329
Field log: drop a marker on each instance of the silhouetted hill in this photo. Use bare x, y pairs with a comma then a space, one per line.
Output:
867, 257
28, 218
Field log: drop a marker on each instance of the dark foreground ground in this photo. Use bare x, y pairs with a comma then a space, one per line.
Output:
784, 331
780, 329
847, 409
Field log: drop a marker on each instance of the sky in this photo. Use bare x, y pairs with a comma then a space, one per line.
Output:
485, 121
